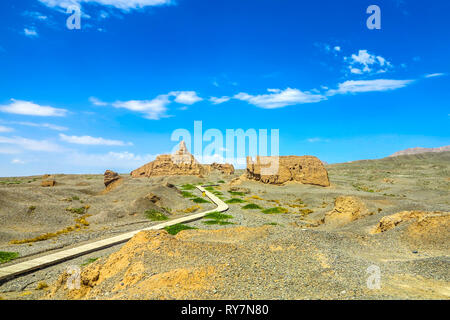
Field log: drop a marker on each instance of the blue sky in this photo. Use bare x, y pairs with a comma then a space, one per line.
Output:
109, 96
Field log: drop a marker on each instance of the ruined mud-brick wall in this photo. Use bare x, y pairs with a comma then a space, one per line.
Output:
305, 169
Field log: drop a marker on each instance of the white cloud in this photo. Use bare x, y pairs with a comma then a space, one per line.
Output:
88, 140
5, 129
185, 97
40, 125
17, 161
119, 4
118, 161
352, 86
220, 100
30, 32
30, 144
280, 98
153, 109
314, 140
365, 62
433, 75
31, 109
337, 48
97, 102
156, 109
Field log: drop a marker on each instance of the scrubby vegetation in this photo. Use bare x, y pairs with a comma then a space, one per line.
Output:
234, 200
173, 230
192, 209
81, 210
236, 193
42, 285
251, 206
187, 194
199, 200
217, 218
275, 210
7, 256
79, 224
155, 215
89, 261
188, 187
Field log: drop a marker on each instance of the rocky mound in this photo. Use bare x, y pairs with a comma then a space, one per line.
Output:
181, 163
306, 170
346, 209
420, 229
419, 151
423, 220
156, 265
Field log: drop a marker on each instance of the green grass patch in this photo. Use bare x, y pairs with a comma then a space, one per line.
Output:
89, 261
8, 256
155, 215
81, 210
173, 230
220, 181
188, 186
217, 222
187, 194
275, 210
211, 189
8, 182
251, 206
200, 200
234, 200
236, 193
218, 216
76, 198
218, 193
272, 224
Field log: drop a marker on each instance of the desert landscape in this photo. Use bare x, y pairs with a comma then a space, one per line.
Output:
310, 232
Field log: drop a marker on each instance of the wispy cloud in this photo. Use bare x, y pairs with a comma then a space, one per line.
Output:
277, 98
31, 109
156, 108
314, 140
118, 4
433, 75
97, 102
152, 109
358, 86
216, 100
5, 129
41, 125
30, 32
30, 144
88, 140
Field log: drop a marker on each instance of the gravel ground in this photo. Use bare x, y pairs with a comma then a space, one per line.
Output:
257, 255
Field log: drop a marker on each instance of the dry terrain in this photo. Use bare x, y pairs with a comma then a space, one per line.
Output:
291, 241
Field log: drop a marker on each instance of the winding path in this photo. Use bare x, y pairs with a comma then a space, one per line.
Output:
14, 270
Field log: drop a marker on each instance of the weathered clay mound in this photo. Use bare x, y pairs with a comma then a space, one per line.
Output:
156, 265
346, 209
423, 221
279, 170
111, 180
226, 168
421, 229
181, 163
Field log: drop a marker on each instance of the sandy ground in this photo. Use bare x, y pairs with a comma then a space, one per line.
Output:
290, 255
